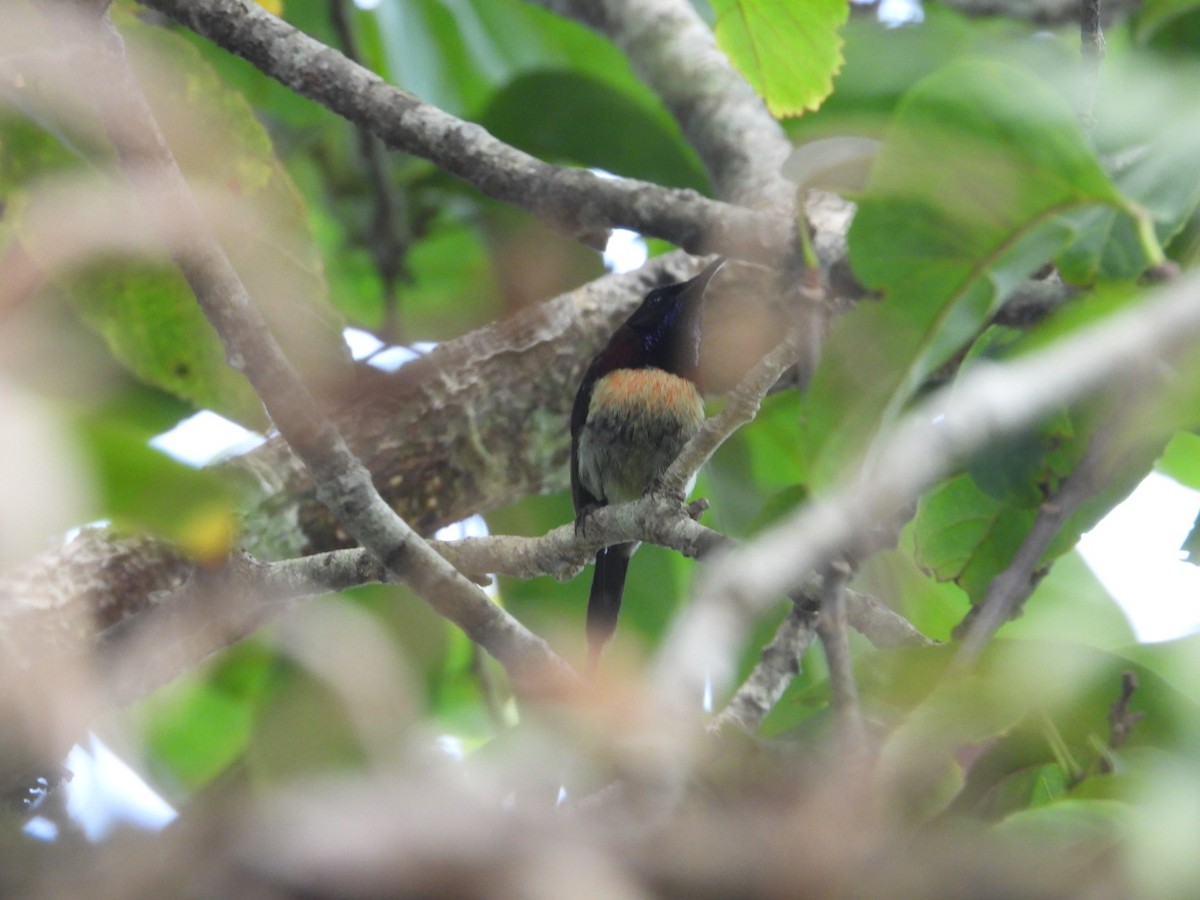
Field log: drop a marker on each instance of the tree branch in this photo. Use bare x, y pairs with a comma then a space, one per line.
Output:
831, 627
780, 663
343, 483
201, 611
673, 50
573, 200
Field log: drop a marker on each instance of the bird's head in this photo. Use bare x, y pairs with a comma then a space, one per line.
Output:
667, 324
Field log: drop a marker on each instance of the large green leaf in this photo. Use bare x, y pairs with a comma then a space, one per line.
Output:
789, 52
454, 55
150, 321
1163, 178
591, 126
965, 201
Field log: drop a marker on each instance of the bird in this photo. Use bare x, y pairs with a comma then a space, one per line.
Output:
639, 402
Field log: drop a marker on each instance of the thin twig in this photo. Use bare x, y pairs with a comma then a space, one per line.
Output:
779, 664
1121, 719
831, 626
215, 608
1091, 46
389, 237
1009, 589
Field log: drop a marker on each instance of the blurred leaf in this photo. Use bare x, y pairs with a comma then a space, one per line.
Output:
218, 142
452, 287
1070, 600
151, 322
1181, 459
302, 728
788, 52
1071, 822
1027, 469
964, 202
454, 55
1173, 19
29, 151
758, 469
881, 65
198, 726
1164, 180
893, 577
146, 311
1019, 710
779, 505
140, 488
583, 129
1177, 662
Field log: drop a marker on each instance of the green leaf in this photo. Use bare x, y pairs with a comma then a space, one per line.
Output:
137, 487
1161, 17
1177, 662
583, 128
1164, 180
1070, 600
1181, 459
965, 201
1025, 706
893, 576
961, 534
789, 52
149, 318
1070, 822
198, 726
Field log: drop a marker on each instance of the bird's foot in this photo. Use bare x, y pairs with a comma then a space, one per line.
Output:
582, 515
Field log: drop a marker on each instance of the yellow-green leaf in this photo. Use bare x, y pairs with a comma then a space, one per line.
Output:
788, 51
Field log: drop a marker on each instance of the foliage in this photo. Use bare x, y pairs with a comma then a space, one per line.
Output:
994, 166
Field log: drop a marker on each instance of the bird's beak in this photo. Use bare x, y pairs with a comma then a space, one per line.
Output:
700, 282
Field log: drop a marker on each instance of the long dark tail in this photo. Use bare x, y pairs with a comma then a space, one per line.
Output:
604, 603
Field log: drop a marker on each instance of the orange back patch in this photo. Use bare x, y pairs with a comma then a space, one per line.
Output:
640, 389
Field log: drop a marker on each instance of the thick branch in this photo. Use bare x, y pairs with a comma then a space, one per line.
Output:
570, 199
203, 611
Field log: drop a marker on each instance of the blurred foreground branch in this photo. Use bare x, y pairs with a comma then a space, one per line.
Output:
343, 483
988, 403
